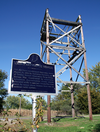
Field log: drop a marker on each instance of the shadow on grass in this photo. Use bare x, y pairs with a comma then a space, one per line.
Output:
57, 118
96, 128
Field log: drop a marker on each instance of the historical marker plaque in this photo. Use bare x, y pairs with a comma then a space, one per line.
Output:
32, 76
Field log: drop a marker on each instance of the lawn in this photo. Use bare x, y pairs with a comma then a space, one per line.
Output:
70, 125
67, 125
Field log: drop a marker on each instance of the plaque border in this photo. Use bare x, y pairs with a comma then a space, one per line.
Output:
33, 93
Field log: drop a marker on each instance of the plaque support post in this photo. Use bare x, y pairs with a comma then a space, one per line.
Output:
33, 111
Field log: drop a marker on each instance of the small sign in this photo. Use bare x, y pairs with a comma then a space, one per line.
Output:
32, 76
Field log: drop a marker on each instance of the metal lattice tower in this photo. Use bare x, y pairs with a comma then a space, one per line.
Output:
62, 44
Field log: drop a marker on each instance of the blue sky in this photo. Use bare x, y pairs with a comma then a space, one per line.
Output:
21, 21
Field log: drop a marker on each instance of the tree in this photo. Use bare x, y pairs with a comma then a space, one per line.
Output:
82, 101
62, 102
3, 91
94, 76
13, 102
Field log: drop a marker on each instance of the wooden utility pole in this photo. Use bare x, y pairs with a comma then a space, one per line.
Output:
48, 61
72, 95
71, 86
86, 71
20, 105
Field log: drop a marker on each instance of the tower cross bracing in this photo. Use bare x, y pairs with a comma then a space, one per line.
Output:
64, 41
62, 44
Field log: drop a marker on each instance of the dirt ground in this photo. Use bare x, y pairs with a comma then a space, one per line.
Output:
28, 113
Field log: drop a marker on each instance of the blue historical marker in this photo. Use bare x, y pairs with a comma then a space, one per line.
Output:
32, 76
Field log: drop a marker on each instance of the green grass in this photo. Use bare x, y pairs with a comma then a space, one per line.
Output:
70, 125
67, 125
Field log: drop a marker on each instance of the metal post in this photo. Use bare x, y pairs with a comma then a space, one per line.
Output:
72, 94
33, 111
48, 61
86, 71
